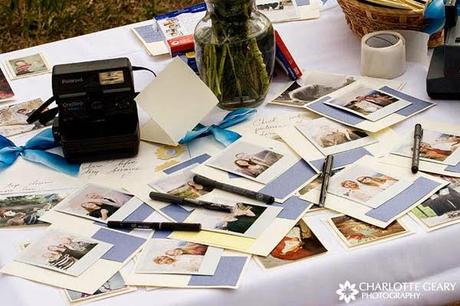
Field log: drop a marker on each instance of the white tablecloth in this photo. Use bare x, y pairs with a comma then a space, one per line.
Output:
328, 45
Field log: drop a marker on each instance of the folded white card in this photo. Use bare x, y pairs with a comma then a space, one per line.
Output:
174, 103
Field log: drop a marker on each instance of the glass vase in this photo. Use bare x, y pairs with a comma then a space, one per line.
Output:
235, 52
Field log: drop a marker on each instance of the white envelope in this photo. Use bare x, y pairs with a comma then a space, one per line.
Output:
173, 103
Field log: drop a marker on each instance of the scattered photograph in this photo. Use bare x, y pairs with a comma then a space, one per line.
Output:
331, 137
442, 208
299, 244
26, 209
111, 77
6, 92
437, 147
368, 103
13, 118
27, 66
278, 10
116, 284
178, 257
247, 220
64, 252
250, 161
356, 233
311, 87
99, 203
366, 186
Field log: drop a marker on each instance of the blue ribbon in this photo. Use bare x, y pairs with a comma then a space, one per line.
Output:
34, 151
436, 16
219, 131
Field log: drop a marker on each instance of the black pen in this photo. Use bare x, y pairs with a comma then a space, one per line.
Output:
169, 198
160, 226
204, 181
418, 134
326, 175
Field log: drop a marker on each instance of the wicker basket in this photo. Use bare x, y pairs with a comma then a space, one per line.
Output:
366, 18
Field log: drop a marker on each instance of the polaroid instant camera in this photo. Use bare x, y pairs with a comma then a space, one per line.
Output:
97, 113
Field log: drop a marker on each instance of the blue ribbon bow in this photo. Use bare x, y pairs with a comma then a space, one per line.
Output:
435, 15
219, 131
34, 151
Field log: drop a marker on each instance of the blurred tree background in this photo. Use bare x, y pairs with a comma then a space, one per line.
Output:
26, 23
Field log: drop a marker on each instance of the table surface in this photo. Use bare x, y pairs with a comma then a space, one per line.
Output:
327, 45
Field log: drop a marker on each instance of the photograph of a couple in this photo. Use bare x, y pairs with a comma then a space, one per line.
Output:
178, 257
361, 184
441, 208
26, 209
94, 202
27, 66
355, 233
248, 160
64, 252
299, 243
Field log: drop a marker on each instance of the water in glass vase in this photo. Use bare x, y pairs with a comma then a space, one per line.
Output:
235, 51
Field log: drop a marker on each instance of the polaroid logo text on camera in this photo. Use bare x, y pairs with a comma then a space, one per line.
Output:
72, 81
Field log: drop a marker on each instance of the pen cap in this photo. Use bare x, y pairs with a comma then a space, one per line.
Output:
164, 197
203, 180
418, 132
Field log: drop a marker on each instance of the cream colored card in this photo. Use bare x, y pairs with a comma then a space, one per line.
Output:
382, 216
92, 278
230, 261
174, 102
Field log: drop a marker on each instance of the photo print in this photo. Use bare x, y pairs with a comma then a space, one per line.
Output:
311, 87
366, 186
99, 204
6, 92
436, 147
26, 209
178, 257
368, 103
442, 208
354, 233
331, 137
27, 66
299, 244
278, 10
63, 252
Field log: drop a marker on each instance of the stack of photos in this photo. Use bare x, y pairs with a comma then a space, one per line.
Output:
311, 87
26, 209
299, 244
250, 161
27, 66
436, 147
331, 137
441, 209
168, 256
371, 104
355, 233
366, 186
99, 203
13, 118
63, 252
6, 92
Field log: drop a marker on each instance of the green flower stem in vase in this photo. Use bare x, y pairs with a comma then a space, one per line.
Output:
235, 51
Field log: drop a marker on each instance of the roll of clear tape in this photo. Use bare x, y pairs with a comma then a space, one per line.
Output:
383, 55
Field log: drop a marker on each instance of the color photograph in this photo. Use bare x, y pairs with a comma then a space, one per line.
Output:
114, 285
368, 103
249, 160
311, 87
437, 147
441, 209
299, 244
356, 233
13, 118
178, 257
26, 209
63, 252
99, 203
331, 137
6, 92
366, 186
27, 66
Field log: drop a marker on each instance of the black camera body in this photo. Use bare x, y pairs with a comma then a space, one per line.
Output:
97, 113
